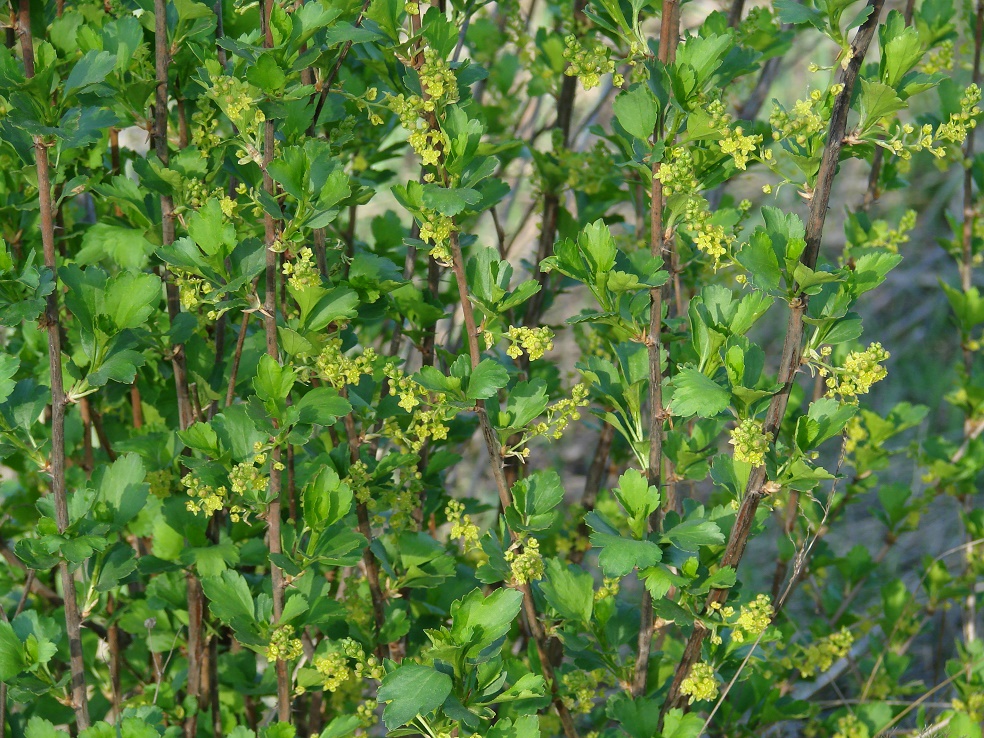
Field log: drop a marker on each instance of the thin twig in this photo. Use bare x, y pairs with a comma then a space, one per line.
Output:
231, 390
505, 497
56, 464
669, 33
969, 612
273, 350
758, 487
326, 86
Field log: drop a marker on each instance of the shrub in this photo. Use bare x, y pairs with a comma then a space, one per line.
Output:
297, 403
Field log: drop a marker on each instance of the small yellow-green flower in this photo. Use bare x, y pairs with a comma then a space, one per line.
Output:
750, 442
282, 646
700, 683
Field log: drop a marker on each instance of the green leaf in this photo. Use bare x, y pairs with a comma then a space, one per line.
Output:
212, 231
120, 366
9, 365
902, 52
450, 202
273, 382
131, 299
525, 403
638, 498
569, 590
91, 69
478, 622
825, 419
759, 257
877, 101
38, 727
116, 565
525, 726
412, 690
122, 489
636, 110
336, 304
12, 658
322, 406
201, 437
325, 499
620, 555
229, 597
486, 379
696, 394
691, 534
638, 717
124, 246
534, 499
682, 725
267, 74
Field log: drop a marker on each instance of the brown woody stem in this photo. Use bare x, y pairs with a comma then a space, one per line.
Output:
73, 618
758, 487
273, 514
669, 33
492, 445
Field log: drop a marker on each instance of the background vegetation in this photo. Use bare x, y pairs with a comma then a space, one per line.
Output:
530, 368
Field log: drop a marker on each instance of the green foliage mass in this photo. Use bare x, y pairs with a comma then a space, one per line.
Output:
303, 304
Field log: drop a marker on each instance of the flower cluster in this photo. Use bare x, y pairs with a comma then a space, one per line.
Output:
435, 229
462, 525
581, 689
236, 99
339, 370
883, 236
204, 498
534, 341
939, 59
753, 619
726, 612
700, 683
282, 646
247, 481
366, 713
861, 370
609, 588
740, 146
806, 119
818, 657
437, 80
204, 127
440, 88
851, 726
955, 129
424, 424
302, 272
973, 706
402, 500
366, 667
750, 442
587, 171
677, 171
588, 61
717, 112
334, 669
854, 434
558, 417
160, 482
358, 479
195, 192
709, 238
525, 561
